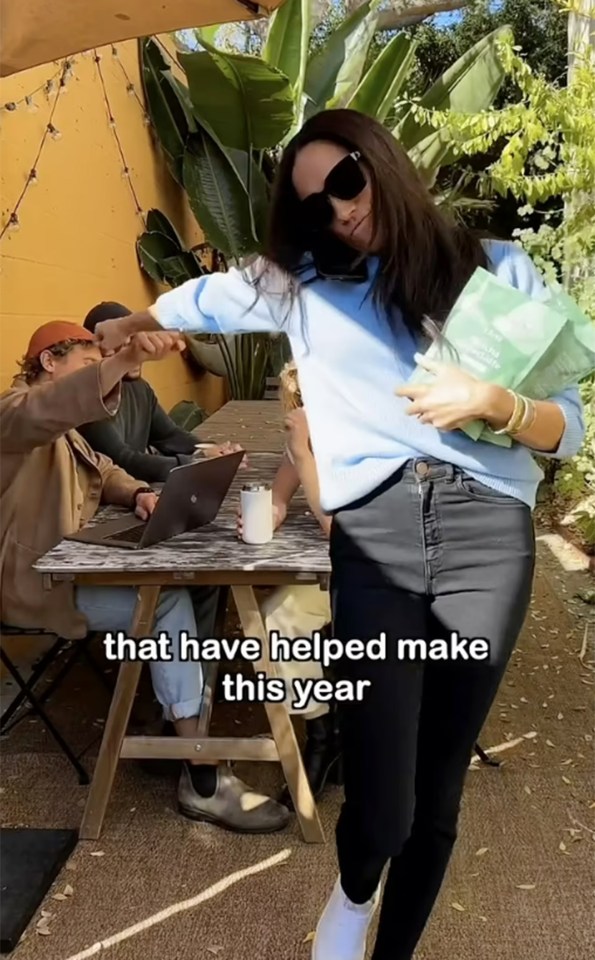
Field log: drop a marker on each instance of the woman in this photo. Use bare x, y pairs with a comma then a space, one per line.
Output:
298, 610
431, 532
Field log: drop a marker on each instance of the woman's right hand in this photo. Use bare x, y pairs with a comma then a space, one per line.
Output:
279, 515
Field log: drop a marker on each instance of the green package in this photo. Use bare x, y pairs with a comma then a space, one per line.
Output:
497, 334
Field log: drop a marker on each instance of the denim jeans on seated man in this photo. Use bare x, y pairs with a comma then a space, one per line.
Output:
205, 792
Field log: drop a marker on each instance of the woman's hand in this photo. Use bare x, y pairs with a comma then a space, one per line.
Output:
298, 434
454, 399
223, 449
279, 515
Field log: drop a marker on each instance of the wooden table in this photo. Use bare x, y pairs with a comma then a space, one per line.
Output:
256, 424
211, 555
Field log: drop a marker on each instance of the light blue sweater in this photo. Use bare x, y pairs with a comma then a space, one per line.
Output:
349, 363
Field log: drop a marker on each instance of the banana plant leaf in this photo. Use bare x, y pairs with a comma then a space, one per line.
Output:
157, 222
286, 46
217, 196
247, 103
336, 68
385, 79
166, 108
257, 189
469, 86
152, 249
165, 261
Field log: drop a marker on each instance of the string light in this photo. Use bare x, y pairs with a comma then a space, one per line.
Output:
113, 126
46, 87
13, 223
58, 84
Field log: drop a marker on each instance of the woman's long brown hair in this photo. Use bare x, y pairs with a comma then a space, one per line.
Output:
426, 258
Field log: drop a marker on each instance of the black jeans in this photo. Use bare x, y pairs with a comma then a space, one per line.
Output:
430, 552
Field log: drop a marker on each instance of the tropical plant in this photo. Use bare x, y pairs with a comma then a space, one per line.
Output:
223, 119
545, 147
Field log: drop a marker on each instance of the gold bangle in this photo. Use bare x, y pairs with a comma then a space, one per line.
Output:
517, 415
528, 418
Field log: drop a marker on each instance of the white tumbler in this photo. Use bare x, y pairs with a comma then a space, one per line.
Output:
257, 513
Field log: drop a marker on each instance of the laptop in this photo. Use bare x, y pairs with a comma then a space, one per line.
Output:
191, 497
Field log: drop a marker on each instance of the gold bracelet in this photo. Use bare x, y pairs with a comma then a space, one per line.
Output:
527, 420
517, 415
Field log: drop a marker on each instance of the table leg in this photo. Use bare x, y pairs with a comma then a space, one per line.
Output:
280, 723
117, 720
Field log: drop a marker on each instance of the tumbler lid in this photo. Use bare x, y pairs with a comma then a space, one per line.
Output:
255, 487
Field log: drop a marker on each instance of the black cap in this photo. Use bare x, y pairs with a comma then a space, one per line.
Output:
108, 310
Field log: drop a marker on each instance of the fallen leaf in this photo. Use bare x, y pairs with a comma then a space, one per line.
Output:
68, 890
309, 937
98, 853
528, 790
560, 716
457, 906
525, 886
59, 896
485, 919
566, 780
524, 700
550, 744
215, 950
481, 851
46, 914
531, 735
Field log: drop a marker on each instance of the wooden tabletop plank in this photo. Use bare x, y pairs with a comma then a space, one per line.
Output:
299, 545
255, 424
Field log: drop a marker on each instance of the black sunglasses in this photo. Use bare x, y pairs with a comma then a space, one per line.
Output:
345, 181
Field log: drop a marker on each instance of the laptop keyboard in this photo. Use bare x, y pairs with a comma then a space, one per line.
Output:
132, 535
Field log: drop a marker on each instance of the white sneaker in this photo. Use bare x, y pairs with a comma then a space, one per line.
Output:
343, 927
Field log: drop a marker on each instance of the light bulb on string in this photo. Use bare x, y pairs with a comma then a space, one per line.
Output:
147, 120
31, 105
10, 107
49, 87
115, 53
13, 223
33, 179
53, 132
111, 122
130, 89
126, 173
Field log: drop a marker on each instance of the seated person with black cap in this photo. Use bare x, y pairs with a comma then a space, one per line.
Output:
141, 423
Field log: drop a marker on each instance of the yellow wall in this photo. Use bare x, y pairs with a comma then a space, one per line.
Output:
75, 245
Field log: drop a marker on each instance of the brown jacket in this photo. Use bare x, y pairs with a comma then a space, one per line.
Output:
51, 484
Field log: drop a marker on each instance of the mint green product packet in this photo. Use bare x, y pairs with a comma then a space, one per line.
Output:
496, 333
571, 356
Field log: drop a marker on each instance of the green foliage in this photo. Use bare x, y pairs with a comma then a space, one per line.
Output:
575, 481
546, 153
539, 25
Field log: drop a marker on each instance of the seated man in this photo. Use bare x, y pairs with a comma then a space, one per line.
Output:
141, 423
51, 484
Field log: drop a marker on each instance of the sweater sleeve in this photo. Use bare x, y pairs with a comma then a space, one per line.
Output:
240, 301
105, 439
514, 266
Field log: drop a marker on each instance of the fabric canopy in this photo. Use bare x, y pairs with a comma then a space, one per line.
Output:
41, 31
